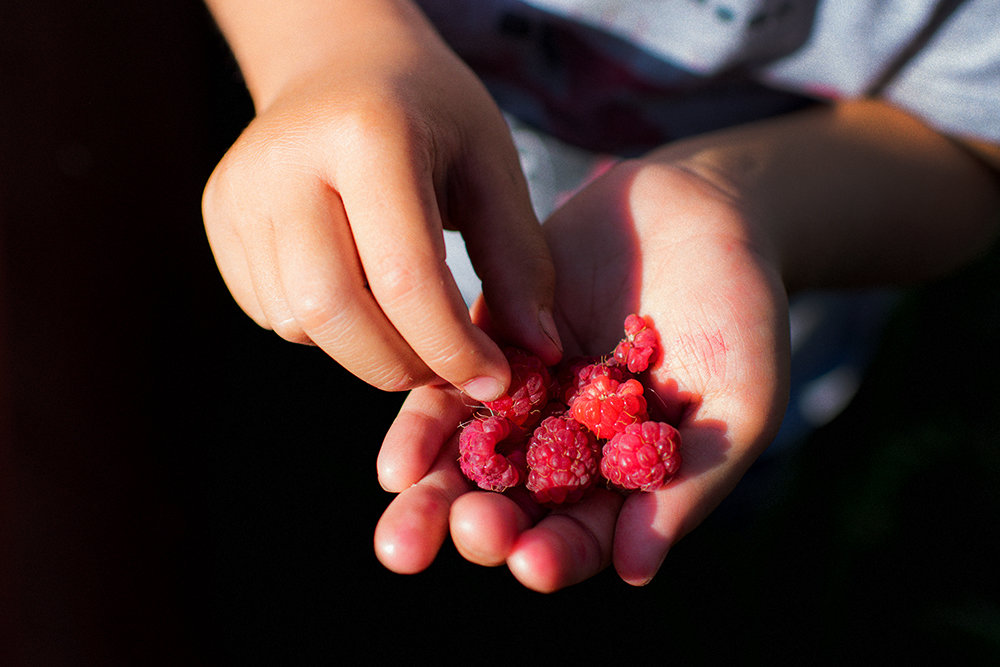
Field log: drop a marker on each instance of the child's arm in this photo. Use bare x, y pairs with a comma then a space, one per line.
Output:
860, 193
704, 236
326, 215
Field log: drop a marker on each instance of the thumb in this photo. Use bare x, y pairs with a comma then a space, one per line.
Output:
509, 253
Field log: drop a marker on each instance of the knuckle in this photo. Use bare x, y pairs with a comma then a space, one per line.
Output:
396, 284
290, 331
365, 120
397, 383
449, 353
219, 201
375, 131
318, 312
394, 373
376, 110
261, 157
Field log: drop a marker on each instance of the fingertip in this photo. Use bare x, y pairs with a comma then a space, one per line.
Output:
639, 577
484, 372
388, 473
567, 547
644, 535
535, 562
639, 565
289, 329
484, 388
485, 526
554, 554
463, 356
407, 452
412, 529
421, 437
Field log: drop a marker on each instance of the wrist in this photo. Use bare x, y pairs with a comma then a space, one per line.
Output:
279, 46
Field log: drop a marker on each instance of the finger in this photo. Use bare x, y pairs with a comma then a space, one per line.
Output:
247, 221
399, 236
268, 287
426, 421
413, 527
505, 244
567, 546
231, 259
486, 525
247, 268
728, 429
714, 460
327, 292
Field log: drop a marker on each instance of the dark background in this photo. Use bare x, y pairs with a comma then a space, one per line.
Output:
181, 487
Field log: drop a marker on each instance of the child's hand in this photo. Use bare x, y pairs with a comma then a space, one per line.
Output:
643, 238
857, 193
326, 216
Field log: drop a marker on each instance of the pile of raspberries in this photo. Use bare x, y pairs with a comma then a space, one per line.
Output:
560, 431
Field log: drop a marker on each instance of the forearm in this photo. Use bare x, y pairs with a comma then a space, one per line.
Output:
277, 42
856, 194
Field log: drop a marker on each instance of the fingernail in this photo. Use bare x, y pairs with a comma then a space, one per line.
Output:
483, 389
549, 328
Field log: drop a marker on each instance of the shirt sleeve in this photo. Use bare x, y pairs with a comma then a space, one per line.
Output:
954, 82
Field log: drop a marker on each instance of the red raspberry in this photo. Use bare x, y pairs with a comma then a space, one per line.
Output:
645, 456
491, 453
607, 406
581, 371
638, 345
529, 389
563, 461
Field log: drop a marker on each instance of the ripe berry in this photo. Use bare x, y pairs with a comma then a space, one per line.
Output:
491, 453
529, 389
563, 461
645, 456
607, 406
581, 371
590, 401
638, 345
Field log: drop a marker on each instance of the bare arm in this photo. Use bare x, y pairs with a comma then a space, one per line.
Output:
856, 194
276, 43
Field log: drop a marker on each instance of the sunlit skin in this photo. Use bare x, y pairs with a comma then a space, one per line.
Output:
613, 250
326, 215
371, 136
709, 256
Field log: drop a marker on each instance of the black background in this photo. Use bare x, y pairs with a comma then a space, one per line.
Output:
181, 487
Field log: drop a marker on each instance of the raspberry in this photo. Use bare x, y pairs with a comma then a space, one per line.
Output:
638, 345
563, 461
581, 371
590, 401
607, 406
491, 453
529, 389
645, 456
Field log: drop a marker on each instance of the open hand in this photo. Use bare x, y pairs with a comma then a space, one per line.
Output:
650, 238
